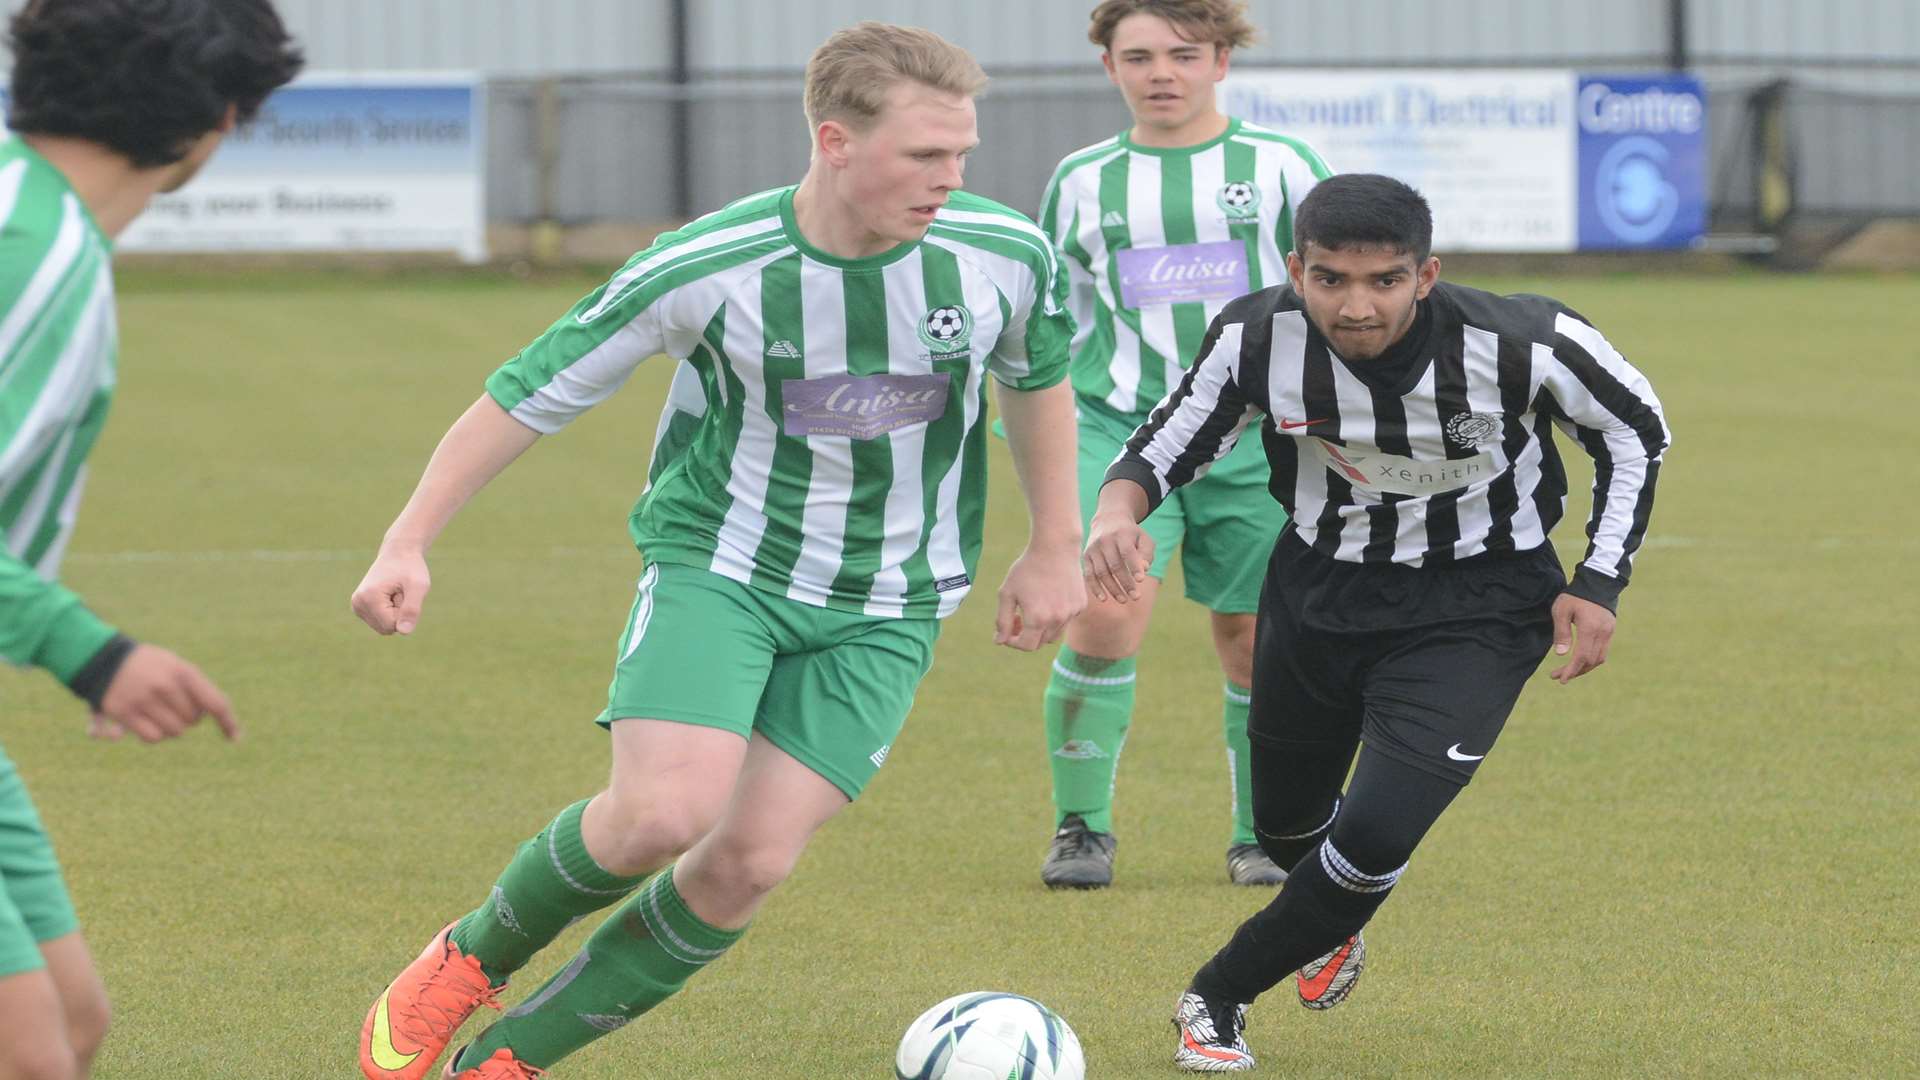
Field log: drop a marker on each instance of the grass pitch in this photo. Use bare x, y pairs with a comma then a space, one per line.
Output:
1698, 861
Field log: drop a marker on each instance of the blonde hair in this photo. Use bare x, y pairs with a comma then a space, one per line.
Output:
849, 75
1222, 22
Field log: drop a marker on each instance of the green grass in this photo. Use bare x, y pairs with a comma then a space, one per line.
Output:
1698, 861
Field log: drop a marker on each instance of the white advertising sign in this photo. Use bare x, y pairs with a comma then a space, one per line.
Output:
331, 163
1493, 151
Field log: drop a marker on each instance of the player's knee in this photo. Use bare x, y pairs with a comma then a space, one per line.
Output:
1233, 641
1289, 831
1371, 844
39, 1059
753, 869
651, 831
1108, 629
1292, 812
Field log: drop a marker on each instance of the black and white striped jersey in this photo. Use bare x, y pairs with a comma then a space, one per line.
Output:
1454, 459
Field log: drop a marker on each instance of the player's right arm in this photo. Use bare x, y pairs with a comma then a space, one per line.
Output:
579, 362
484, 441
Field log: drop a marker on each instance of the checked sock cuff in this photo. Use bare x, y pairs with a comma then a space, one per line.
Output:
567, 852
680, 933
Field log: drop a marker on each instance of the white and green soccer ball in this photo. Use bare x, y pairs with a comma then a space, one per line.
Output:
989, 1036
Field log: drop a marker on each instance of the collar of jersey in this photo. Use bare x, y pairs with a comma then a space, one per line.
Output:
1126, 140
871, 262
14, 146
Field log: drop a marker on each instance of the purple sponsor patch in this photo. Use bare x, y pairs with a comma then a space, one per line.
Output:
860, 406
1183, 273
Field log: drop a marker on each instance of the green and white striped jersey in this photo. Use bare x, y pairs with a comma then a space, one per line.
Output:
823, 438
1157, 240
58, 341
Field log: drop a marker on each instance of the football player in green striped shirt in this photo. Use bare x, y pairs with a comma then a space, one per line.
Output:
1159, 227
814, 510
110, 103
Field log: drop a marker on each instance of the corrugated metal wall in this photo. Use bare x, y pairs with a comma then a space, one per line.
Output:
614, 113
1855, 43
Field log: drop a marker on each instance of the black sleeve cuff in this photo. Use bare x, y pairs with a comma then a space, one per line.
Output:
91, 681
1140, 473
1596, 587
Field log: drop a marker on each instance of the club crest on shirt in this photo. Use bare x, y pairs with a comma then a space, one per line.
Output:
1239, 200
1467, 430
947, 330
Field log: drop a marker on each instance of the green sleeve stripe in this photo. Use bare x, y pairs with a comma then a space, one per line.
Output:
1024, 244
1299, 146
575, 337
1085, 156
630, 293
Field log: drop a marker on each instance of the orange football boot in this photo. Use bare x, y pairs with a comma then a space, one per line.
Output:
413, 1019
501, 1066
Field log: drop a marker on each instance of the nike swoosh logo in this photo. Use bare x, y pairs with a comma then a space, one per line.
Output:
384, 1053
1291, 425
1207, 1051
1312, 989
1454, 753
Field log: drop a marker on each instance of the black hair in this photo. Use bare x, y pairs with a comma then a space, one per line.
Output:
1364, 210
144, 78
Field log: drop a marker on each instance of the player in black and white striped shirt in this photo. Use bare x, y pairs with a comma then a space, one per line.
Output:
1408, 426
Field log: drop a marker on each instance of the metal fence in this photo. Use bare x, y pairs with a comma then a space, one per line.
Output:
601, 149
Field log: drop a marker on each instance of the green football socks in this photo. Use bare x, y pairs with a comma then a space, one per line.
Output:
1088, 705
551, 882
1239, 760
643, 954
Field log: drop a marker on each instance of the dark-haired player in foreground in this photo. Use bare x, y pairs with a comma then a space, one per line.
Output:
1415, 591
111, 103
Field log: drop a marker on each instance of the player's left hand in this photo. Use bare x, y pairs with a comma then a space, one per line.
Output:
1042, 594
1582, 630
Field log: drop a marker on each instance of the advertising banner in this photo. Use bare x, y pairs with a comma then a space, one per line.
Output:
338, 164
1643, 161
1507, 158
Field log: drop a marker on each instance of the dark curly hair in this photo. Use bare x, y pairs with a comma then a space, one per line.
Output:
144, 78
1354, 210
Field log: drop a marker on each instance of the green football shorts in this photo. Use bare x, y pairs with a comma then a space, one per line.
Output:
34, 906
831, 688
1224, 523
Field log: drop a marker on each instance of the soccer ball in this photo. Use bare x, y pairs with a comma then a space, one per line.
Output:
946, 324
989, 1036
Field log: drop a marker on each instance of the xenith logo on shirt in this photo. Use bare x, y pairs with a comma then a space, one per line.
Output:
1239, 200
947, 330
1377, 473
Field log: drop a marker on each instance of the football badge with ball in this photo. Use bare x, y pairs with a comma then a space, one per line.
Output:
947, 331
989, 1036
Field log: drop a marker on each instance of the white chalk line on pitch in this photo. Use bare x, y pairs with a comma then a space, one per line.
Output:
270, 555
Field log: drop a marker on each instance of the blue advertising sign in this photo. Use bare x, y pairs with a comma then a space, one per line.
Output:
1642, 161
